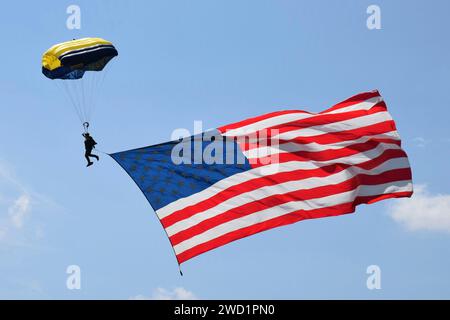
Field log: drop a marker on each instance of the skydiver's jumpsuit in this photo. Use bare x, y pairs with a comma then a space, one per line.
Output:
89, 144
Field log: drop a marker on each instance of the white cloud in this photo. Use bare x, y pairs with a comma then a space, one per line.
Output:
19, 210
178, 293
423, 211
421, 142
139, 297
16, 203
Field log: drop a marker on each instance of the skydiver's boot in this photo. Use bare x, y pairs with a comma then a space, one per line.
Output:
96, 157
89, 164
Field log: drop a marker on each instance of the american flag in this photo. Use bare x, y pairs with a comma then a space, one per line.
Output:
272, 170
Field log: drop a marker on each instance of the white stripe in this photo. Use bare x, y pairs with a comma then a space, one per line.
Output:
274, 212
351, 124
259, 172
283, 188
366, 105
285, 118
82, 49
82, 52
80, 42
313, 146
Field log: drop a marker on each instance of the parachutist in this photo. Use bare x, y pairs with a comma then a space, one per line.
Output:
89, 145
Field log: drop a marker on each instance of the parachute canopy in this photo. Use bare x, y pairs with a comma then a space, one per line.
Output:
70, 60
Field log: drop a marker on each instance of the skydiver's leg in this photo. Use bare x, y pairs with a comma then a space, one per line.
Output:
94, 156
91, 155
86, 155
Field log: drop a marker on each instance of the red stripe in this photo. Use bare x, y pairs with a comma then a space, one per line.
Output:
284, 220
325, 155
278, 199
386, 155
350, 101
274, 179
262, 144
280, 147
340, 136
320, 119
324, 119
354, 100
257, 119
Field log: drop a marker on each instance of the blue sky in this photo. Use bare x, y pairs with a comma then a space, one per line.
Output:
219, 62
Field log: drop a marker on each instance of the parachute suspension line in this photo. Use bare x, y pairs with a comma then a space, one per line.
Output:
65, 94
72, 88
78, 95
99, 79
91, 87
83, 100
90, 80
63, 88
83, 93
77, 87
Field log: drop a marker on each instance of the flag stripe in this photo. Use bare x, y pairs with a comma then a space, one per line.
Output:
248, 202
294, 206
265, 151
285, 219
228, 191
353, 100
284, 201
273, 120
354, 123
326, 155
321, 120
272, 168
224, 184
334, 137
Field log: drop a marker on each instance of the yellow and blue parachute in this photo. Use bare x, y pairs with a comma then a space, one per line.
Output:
70, 60
75, 60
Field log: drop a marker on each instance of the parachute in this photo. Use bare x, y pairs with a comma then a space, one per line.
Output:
69, 62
